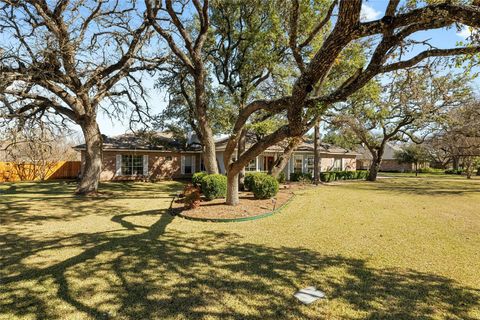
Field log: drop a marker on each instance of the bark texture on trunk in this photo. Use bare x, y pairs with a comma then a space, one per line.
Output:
316, 158
93, 158
240, 151
282, 160
232, 189
374, 168
201, 106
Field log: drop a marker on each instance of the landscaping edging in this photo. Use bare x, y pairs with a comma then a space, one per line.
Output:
259, 216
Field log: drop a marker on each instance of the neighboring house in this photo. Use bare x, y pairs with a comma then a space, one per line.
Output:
159, 157
389, 162
332, 158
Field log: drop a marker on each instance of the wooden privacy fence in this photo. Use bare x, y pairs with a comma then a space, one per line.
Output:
10, 171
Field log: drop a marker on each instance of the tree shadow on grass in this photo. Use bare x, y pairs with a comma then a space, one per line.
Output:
428, 187
162, 273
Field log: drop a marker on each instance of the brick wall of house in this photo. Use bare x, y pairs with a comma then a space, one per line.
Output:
387, 165
348, 162
160, 167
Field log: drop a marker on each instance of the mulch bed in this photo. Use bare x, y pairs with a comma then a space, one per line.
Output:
248, 206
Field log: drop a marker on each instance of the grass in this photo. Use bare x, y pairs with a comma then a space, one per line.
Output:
400, 248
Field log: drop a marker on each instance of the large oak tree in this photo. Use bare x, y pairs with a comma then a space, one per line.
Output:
72, 58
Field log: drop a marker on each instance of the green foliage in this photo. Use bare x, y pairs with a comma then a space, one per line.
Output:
454, 171
249, 179
282, 177
430, 170
413, 153
343, 175
214, 186
300, 176
264, 186
197, 178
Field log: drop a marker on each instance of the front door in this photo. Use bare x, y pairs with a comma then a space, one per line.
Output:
268, 163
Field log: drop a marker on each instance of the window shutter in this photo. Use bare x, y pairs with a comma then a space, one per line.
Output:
118, 165
182, 164
194, 158
145, 165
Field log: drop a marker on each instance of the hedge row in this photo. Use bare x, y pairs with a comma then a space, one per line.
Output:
343, 175
214, 186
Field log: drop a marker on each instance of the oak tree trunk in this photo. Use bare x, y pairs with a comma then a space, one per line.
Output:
232, 188
240, 151
282, 160
316, 156
201, 106
374, 168
93, 157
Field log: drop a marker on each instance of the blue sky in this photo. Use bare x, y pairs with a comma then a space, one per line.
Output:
372, 9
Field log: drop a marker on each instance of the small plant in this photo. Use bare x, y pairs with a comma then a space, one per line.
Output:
264, 187
296, 176
197, 178
214, 186
282, 177
191, 197
305, 179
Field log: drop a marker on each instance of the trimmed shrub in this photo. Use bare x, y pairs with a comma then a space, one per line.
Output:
214, 186
191, 197
282, 177
264, 187
297, 176
249, 178
327, 176
453, 171
197, 178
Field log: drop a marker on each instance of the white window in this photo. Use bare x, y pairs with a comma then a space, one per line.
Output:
188, 165
132, 165
298, 164
310, 163
252, 165
337, 164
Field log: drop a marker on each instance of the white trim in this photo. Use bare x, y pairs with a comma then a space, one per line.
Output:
145, 165
182, 164
256, 164
118, 165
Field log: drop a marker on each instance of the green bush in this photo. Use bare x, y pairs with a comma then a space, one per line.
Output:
343, 175
197, 178
327, 176
300, 176
214, 186
282, 177
249, 177
453, 171
430, 170
264, 186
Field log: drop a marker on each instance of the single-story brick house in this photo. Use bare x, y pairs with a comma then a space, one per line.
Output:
389, 162
130, 157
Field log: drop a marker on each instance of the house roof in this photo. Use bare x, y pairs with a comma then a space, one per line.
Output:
388, 154
158, 141
165, 141
307, 145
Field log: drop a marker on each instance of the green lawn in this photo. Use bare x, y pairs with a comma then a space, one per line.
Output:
401, 248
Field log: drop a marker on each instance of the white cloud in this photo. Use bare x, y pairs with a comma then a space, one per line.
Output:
465, 32
369, 13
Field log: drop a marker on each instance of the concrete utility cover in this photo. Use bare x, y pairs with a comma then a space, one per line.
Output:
309, 295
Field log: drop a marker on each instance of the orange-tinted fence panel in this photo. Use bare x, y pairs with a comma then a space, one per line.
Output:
10, 171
